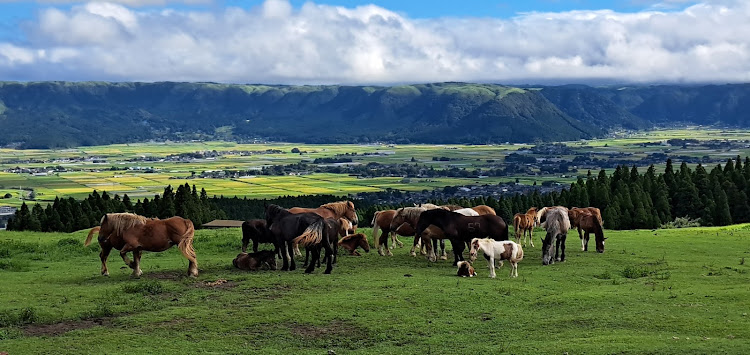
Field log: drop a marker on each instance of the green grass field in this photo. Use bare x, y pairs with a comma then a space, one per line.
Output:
664, 292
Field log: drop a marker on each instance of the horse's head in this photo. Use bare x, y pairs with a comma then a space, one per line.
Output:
474, 249
363, 243
548, 250
272, 213
600, 245
398, 219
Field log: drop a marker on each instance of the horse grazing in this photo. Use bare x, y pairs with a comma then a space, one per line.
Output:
557, 223
459, 228
132, 233
352, 241
257, 231
433, 233
500, 250
465, 269
525, 222
588, 220
255, 261
381, 221
484, 209
285, 226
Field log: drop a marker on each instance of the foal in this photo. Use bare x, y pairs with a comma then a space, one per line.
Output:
501, 250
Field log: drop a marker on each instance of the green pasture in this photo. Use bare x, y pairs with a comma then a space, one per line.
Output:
86, 175
664, 291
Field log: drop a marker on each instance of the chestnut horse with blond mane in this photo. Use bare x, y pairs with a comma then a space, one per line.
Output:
588, 220
335, 210
525, 222
128, 232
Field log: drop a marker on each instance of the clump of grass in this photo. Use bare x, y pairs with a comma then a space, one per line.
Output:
634, 272
13, 265
742, 261
604, 276
69, 242
24, 316
150, 287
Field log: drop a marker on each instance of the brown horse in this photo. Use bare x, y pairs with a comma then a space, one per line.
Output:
381, 221
336, 210
588, 220
484, 209
525, 222
127, 232
352, 241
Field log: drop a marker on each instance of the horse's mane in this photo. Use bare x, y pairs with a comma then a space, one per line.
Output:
411, 213
120, 222
338, 207
274, 210
557, 221
430, 206
531, 210
353, 236
452, 207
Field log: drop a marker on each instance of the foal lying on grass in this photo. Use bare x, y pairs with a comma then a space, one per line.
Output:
352, 241
264, 259
500, 250
465, 269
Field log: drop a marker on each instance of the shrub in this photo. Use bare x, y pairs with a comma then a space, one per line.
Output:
682, 222
634, 272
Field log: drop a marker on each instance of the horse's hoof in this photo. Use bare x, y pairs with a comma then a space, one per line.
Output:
413, 254
327, 272
380, 252
105, 274
443, 257
389, 253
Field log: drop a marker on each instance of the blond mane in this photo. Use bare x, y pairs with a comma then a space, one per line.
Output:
339, 207
410, 214
120, 222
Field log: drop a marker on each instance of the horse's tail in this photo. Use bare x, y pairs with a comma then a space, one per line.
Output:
375, 228
186, 243
312, 235
91, 235
519, 253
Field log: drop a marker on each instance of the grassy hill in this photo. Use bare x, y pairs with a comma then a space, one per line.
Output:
664, 291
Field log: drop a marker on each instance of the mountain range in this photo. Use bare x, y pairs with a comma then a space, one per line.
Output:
66, 114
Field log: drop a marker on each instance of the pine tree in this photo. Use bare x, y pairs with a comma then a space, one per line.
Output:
722, 216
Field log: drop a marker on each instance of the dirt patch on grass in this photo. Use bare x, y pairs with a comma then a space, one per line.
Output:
220, 284
61, 328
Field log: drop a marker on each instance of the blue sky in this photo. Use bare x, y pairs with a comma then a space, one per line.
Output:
380, 42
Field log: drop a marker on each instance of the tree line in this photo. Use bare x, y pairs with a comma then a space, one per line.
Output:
628, 199
69, 214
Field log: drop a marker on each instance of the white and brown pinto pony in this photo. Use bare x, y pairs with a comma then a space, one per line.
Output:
500, 250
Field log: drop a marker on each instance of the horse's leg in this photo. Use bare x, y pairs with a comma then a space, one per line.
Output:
255, 245
307, 257
123, 253
558, 240
296, 251
315, 259
137, 260
563, 237
586, 237
583, 243
413, 251
290, 250
513, 268
491, 262
443, 252
396, 241
329, 251
531, 236
285, 255
103, 255
336, 252
458, 250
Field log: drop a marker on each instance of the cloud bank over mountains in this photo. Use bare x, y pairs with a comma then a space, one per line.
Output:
278, 43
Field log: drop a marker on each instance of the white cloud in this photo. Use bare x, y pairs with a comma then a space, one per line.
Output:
134, 3
275, 43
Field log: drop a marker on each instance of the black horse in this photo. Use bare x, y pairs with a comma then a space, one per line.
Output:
335, 228
285, 226
461, 229
257, 231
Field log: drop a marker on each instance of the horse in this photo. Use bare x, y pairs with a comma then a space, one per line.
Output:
433, 233
500, 250
451, 207
525, 222
403, 222
588, 221
285, 226
337, 209
318, 235
484, 209
557, 223
340, 227
255, 261
459, 228
465, 269
257, 231
133, 233
382, 221
352, 241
